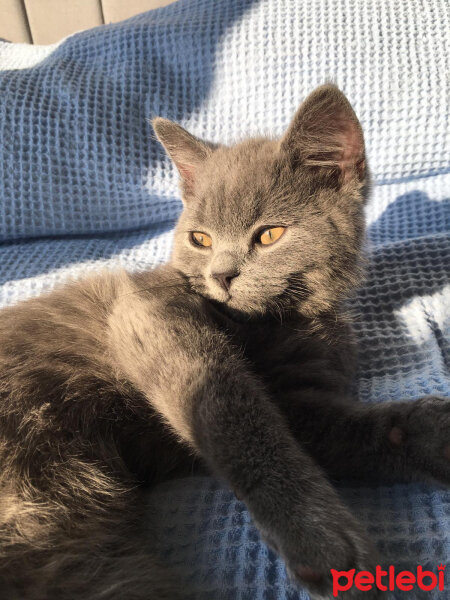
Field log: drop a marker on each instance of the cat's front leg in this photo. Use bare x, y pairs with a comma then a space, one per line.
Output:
424, 433
296, 509
407, 440
418, 437
199, 383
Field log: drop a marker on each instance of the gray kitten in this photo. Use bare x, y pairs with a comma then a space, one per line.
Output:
238, 351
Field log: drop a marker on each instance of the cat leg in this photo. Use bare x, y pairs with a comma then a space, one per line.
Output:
201, 386
401, 441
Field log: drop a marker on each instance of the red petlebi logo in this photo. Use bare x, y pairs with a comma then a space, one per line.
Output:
387, 580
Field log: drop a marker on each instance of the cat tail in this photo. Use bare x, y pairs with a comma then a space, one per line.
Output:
80, 538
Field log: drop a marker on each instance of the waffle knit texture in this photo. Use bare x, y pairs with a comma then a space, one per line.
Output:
84, 184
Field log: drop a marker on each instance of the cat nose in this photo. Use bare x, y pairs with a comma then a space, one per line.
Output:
225, 278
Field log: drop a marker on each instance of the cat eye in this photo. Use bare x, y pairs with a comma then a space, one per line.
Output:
270, 235
201, 239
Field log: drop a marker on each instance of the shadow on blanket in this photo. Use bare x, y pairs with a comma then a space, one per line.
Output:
412, 215
22, 259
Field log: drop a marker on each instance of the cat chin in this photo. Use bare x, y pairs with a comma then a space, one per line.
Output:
237, 310
246, 308
236, 303
219, 298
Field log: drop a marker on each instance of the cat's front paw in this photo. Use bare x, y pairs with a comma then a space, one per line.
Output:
322, 539
420, 433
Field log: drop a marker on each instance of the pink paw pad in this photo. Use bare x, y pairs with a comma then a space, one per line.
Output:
447, 452
308, 575
396, 436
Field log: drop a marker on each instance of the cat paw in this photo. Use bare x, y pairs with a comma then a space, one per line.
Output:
420, 432
325, 538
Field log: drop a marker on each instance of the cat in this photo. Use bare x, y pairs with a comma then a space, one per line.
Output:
238, 352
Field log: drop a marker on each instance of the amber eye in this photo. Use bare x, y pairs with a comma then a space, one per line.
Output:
270, 235
201, 239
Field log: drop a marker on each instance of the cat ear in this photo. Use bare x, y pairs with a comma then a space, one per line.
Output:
186, 151
325, 134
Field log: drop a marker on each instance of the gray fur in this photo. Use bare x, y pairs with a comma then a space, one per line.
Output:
125, 378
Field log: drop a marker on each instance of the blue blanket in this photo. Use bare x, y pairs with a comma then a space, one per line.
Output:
84, 184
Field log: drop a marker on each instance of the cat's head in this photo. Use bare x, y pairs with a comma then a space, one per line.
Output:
269, 225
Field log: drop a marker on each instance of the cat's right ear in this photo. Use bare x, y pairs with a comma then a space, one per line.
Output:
187, 151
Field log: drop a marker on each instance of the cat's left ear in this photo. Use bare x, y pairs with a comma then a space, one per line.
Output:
325, 134
187, 151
